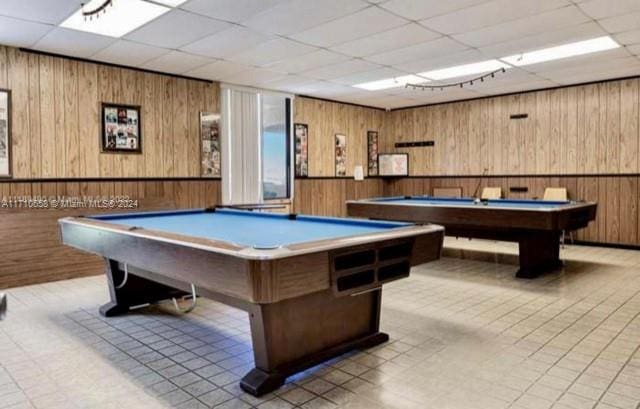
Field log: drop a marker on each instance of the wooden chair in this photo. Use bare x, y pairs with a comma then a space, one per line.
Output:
491, 193
558, 194
455, 192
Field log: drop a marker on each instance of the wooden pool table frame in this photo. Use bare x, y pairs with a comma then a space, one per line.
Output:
299, 316
537, 230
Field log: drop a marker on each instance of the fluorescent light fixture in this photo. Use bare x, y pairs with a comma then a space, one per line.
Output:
562, 51
170, 3
464, 70
391, 82
122, 17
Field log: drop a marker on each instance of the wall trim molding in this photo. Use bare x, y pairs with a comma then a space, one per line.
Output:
109, 179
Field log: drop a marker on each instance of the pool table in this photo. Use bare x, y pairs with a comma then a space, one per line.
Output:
536, 225
312, 285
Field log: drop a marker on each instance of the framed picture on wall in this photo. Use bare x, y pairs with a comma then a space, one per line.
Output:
210, 144
121, 131
341, 155
5, 133
372, 153
393, 164
301, 132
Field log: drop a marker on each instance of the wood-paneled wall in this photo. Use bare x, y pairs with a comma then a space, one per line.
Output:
327, 197
588, 129
31, 250
56, 104
325, 119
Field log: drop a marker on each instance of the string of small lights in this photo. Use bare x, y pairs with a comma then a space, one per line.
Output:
460, 84
102, 9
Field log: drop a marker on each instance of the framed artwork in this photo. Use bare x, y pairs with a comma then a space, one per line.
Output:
210, 144
121, 131
5, 133
372, 153
393, 164
301, 132
341, 155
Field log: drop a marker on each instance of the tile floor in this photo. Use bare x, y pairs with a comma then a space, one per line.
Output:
465, 334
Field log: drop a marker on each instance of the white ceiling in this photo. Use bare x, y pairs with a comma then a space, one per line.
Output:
323, 47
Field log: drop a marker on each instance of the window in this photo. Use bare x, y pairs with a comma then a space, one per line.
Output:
276, 137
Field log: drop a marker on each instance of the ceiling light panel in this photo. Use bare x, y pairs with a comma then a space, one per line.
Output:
392, 83
170, 3
464, 70
563, 51
118, 19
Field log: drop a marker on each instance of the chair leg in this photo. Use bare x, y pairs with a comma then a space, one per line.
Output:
562, 239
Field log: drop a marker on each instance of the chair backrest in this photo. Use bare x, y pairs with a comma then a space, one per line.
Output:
491, 193
555, 193
447, 191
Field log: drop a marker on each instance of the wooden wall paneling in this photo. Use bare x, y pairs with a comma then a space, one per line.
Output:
554, 143
4, 68
629, 127
601, 131
592, 124
34, 140
569, 136
612, 132
71, 117
18, 79
47, 117
195, 104
59, 125
88, 112
105, 95
527, 132
611, 202
168, 135
628, 210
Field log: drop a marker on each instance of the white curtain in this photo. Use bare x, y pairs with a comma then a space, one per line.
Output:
241, 146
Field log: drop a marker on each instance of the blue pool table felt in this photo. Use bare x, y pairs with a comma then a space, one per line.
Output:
465, 201
250, 229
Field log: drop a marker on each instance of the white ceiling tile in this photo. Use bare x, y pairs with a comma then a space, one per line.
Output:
125, 52
489, 14
176, 28
628, 37
73, 43
587, 61
226, 43
341, 69
512, 30
427, 64
432, 49
253, 76
395, 38
361, 24
293, 16
218, 69
422, 9
601, 69
519, 87
599, 9
590, 76
20, 33
229, 10
367, 76
619, 24
317, 59
543, 40
272, 52
331, 90
44, 11
176, 62
634, 49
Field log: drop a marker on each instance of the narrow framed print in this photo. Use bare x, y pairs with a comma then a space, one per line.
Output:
301, 132
210, 144
5, 133
341, 155
372, 153
121, 131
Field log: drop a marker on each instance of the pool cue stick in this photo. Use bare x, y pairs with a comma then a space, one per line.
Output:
484, 173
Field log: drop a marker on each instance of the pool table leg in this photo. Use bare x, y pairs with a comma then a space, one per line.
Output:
539, 254
296, 334
135, 292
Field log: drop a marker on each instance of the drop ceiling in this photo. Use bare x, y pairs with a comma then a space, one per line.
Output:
324, 47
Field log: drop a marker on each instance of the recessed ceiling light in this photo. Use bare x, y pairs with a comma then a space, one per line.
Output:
562, 51
464, 70
122, 17
391, 82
